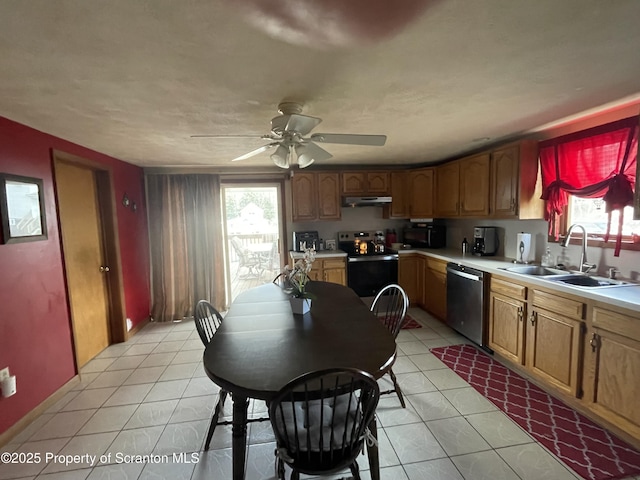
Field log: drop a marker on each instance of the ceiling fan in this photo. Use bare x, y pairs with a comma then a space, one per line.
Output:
287, 135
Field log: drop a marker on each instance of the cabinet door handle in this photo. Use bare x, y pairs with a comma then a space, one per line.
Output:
520, 313
594, 342
532, 318
104, 269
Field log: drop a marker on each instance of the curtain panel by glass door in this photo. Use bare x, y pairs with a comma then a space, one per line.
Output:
186, 244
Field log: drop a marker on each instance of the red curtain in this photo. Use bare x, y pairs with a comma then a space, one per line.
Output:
596, 163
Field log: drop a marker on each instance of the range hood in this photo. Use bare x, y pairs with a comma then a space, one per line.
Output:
365, 201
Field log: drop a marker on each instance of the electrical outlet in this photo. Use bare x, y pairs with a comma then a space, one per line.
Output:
4, 373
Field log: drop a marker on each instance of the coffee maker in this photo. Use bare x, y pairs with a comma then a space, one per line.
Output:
303, 240
485, 241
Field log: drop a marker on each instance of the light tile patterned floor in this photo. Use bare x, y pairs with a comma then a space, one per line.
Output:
151, 395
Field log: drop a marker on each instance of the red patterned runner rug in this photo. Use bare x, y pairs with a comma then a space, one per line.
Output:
589, 450
410, 323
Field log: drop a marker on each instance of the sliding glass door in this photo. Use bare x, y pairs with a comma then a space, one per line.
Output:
252, 226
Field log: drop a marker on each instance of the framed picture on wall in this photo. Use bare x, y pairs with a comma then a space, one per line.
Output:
22, 212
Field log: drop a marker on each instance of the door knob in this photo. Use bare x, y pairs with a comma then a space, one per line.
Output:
104, 268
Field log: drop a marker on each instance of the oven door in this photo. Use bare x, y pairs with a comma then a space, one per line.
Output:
367, 275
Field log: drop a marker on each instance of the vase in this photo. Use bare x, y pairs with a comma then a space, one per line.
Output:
300, 305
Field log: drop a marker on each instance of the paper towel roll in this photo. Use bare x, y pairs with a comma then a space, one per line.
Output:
523, 248
9, 386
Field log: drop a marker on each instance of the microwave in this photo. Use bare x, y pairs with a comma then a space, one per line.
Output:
426, 236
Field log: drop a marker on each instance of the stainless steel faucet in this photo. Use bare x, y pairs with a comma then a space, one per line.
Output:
583, 255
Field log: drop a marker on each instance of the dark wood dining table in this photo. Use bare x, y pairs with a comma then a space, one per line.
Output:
261, 346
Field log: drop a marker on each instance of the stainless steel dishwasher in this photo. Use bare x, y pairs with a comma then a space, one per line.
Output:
465, 302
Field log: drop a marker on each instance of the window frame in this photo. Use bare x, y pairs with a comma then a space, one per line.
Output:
594, 240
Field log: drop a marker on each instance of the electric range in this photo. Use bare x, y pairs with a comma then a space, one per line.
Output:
368, 270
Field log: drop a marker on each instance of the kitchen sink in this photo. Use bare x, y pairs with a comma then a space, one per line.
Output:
590, 281
536, 270
575, 279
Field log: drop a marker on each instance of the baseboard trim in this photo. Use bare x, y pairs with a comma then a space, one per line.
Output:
25, 421
137, 328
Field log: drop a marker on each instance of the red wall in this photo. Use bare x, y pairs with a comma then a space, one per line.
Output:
35, 328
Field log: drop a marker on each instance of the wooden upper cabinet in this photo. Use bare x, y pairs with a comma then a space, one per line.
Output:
399, 207
504, 182
378, 183
365, 183
329, 204
420, 185
474, 185
316, 196
448, 190
516, 183
303, 190
501, 183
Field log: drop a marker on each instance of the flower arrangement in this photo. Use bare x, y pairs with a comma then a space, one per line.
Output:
298, 275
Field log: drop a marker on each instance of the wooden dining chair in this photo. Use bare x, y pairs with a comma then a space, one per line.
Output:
321, 421
390, 306
208, 320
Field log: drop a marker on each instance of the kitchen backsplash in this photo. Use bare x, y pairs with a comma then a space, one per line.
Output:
358, 218
365, 218
628, 263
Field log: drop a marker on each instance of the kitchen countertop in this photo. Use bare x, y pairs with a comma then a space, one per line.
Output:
320, 254
626, 296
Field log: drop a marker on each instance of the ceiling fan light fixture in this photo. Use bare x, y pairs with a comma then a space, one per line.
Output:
281, 156
304, 159
309, 153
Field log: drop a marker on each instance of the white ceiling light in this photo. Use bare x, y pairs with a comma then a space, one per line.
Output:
309, 153
281, 156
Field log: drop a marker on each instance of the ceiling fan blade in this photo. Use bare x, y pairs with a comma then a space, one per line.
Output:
263, 137
257, 151
301, 124
349, 139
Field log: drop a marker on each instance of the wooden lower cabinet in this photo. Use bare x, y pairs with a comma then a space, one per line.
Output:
435, 287
335, 271
555, 333
424, 279
612, 368
408, 276
421, 267
580, 349
332, 270
506, 326
539, 330
507, 311
554, 349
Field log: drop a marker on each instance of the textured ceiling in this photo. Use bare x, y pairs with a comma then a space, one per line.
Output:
134, 79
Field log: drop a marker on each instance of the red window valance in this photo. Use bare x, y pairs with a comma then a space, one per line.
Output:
596, 163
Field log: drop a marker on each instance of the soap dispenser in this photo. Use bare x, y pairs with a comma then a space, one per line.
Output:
547, 258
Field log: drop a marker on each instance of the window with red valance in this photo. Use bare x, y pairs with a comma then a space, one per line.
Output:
596, 163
